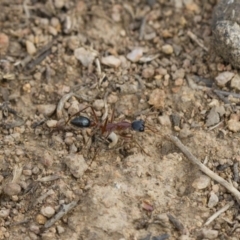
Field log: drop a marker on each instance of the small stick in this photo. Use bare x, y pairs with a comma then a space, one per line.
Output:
63, 211
220, 211
221, 96
205, 169
236, 172
176, 223
142, 29
48, 178
99, 70
64, 99
44, 196
215, 126
196, 40
225, 93
61, 103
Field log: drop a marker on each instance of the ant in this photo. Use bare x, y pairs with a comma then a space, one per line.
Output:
107, 127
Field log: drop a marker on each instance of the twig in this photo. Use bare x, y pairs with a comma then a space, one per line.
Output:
63, 211
220, 211
205, 169
177, 224
225, 93
65, 98
61, 103
99, 70
236, 172
215, 126
48, 178
44, 196
142, 28
196, 40
221, 96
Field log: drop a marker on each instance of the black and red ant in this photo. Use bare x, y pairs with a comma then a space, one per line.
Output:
106, 127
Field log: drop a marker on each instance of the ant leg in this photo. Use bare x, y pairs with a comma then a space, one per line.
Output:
104, 127
94, 114
136, 142
112, 117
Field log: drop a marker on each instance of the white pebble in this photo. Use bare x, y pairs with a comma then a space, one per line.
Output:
86, 57
233, 125
223, 78
11, 189
76, 164
31, 49
167, 49
4, 213
52, 123
209, 233
213, 200
111, 61
235, 82
47, 211
135, 55
46, 109
201, 182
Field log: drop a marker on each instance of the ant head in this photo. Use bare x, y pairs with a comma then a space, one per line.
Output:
138, 125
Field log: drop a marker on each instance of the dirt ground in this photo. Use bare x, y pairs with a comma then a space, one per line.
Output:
149, 60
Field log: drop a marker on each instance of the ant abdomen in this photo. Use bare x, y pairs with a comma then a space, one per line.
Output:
81, 121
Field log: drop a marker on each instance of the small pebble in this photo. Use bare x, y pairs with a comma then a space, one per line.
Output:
40, 219
98, 104
4, 42
60, 229
185, 237
51, 123
11, 189
167, 49
55, 22
34, 228
74, 108
164, 120
47, 159
215, 188
178, 82
111, 61
31, 49
210, 234
46, 109
233, 125
112, 98
148, 72
73, 42
212, 117
235, 82
52, 30
223, 78
47, 211
27, 172
4, 213
27, 87
76, 164
201, 182
135, 55
157, 98
213, 200
59, 3
86, 57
